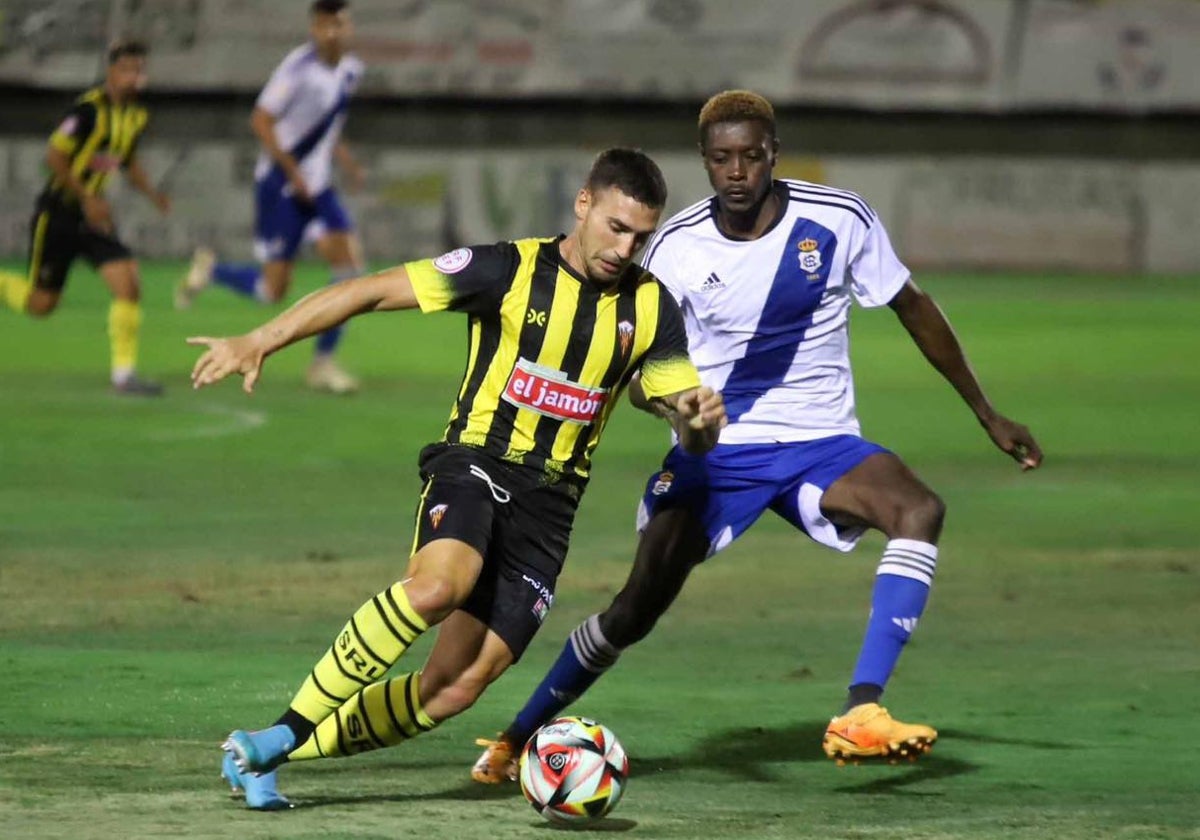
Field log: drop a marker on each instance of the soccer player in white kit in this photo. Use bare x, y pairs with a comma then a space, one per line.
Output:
298, 120
764, 271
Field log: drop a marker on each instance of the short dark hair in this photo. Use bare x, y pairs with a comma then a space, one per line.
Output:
127, 46
632, 172
327, 7
735, 106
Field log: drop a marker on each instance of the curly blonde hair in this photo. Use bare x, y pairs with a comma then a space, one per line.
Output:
735, 106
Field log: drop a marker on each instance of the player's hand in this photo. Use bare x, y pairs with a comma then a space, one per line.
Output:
97, 213
299, 187
702, 408
225, 356
1014, 439
701, 414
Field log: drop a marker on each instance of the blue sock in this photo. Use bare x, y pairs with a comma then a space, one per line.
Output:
242, 279
585, 656
328, 341
901, 590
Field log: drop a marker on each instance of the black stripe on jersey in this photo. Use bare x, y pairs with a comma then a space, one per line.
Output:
691, 219
626, 311
832, 192
583, 324
850, 208
533, 335
489, 342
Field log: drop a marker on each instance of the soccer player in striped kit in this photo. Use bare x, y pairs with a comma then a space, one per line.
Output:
559, 327
765, 271
73, 218
298, 121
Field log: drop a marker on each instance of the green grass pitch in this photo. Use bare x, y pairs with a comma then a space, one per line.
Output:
170, 569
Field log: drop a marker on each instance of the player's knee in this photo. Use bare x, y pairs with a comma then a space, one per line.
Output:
434, 597
922, 517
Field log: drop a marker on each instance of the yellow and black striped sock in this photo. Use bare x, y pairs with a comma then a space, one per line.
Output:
124, 322
381, 715
14, 290
370, 643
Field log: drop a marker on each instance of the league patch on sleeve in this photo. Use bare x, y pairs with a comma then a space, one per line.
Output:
68, 125
454, 261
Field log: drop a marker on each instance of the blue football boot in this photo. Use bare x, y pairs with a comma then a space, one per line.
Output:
258, 752
259, 791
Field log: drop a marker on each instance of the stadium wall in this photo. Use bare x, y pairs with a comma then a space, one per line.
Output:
973, 210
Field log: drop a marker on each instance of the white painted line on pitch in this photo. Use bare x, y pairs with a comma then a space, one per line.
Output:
232, 421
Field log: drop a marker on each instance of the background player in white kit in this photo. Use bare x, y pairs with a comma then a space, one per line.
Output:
764, 271
298, 121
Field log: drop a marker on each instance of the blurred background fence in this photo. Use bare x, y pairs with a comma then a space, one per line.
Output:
1026, 134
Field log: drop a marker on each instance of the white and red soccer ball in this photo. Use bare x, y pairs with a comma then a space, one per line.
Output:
573, 770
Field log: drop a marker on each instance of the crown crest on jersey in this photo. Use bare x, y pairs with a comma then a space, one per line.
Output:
808, 244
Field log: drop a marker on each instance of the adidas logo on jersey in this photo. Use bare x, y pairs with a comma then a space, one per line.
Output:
711, 284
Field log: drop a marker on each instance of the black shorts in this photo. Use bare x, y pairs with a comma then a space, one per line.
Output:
58, 234
509, 514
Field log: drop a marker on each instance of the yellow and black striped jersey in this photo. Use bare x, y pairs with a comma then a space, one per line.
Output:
98, 136
549, 351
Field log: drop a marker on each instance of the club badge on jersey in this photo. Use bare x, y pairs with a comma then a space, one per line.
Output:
810, 257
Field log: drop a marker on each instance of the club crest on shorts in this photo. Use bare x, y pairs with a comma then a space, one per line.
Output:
810, 256
625, 329
662, 483
435, 515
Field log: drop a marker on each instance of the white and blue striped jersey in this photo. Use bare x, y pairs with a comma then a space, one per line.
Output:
768, 320
308, 99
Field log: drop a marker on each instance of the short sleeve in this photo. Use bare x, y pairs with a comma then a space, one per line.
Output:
279, 91
472, 280
876, 273
76, 125
665, 367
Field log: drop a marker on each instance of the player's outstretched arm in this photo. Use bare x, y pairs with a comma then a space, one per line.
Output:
931, 331
386, 290
697, 415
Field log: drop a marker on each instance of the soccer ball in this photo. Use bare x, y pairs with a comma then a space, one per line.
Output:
573, 770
